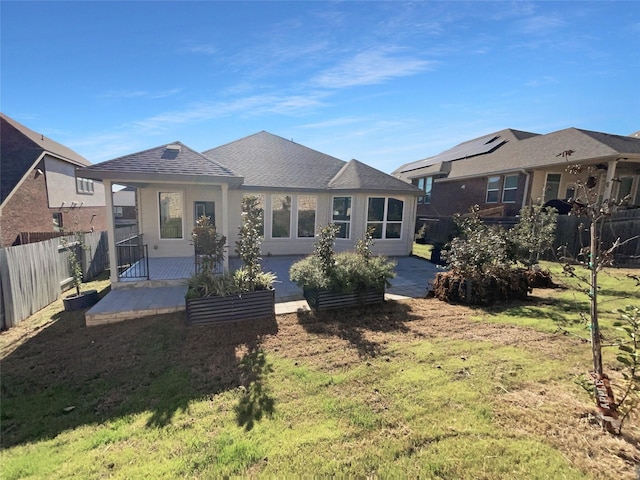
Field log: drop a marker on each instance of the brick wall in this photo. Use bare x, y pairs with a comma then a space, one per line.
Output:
450, 197
28, 211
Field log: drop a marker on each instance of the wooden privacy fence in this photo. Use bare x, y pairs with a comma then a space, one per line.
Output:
572, 233
33, 275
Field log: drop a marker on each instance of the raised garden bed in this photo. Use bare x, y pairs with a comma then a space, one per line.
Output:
320, 299
231, 308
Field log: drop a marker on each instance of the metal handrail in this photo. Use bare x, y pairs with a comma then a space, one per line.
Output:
133, 258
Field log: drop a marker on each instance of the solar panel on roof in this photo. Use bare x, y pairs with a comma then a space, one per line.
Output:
479, 146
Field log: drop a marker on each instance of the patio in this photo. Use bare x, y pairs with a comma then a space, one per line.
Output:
164, 291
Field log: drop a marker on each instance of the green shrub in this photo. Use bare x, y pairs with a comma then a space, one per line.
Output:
345, 272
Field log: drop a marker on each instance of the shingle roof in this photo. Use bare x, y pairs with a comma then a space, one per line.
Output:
356, 175
20, 147
174, 160
269, 161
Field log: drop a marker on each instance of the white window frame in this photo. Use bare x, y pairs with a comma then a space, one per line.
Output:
85, 186
509, 189
182, 195
385, 221
491, 190
294, 201
545, 198
345, 222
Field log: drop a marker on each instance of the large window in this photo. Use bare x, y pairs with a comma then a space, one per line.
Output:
306, 216
280, 216
171, 211
425, 184
384, 215
552, 186
510, 189
341, 216
493, 189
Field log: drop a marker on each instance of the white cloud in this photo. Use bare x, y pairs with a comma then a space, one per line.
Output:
539, 25
540, 82
371, 67
141, 93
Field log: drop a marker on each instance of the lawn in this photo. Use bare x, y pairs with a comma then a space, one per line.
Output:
413, 388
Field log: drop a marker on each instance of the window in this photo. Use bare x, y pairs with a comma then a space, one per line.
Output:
57, 222
84, 185
280, 216
306, 216
117, 212
624, 188
510, 189
171, 208
385, 216
425, 184
493, 189
552, 186
208, 209
341, 216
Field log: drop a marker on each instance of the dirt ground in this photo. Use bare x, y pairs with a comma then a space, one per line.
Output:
562, 418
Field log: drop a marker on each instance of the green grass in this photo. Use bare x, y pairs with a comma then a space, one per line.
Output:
153, 398
422, 250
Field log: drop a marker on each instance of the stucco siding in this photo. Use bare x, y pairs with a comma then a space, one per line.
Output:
61, 186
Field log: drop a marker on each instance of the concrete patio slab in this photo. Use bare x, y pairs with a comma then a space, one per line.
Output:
412, 276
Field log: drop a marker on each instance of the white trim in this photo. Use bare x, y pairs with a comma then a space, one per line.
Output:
384, 217
349, 222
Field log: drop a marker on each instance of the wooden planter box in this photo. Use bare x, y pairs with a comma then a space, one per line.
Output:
320, 299
231, 308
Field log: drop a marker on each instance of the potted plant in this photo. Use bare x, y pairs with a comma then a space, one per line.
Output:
346, 279
244, 294
80, 299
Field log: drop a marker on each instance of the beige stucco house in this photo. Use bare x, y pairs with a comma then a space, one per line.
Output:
300, 190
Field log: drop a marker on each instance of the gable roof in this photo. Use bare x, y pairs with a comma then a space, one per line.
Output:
174, 162
268, 161
21, 148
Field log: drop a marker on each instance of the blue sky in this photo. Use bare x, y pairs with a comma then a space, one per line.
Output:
383, 82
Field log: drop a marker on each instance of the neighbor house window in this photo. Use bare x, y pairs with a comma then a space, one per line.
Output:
425, 184
341, 216
280, 216
384, 215
171, 211
624, 188
57, 222
306, 216
493, 189
552, 186
117, 212
510, 189
84, 185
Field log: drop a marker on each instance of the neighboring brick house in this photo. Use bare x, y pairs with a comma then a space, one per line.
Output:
40, 191
505, 170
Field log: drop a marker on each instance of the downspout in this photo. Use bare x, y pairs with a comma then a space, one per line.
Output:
525, 194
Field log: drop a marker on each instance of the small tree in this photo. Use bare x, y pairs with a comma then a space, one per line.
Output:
250, 239
533, 235
323, 248
209, 245
594, 258
75, 260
